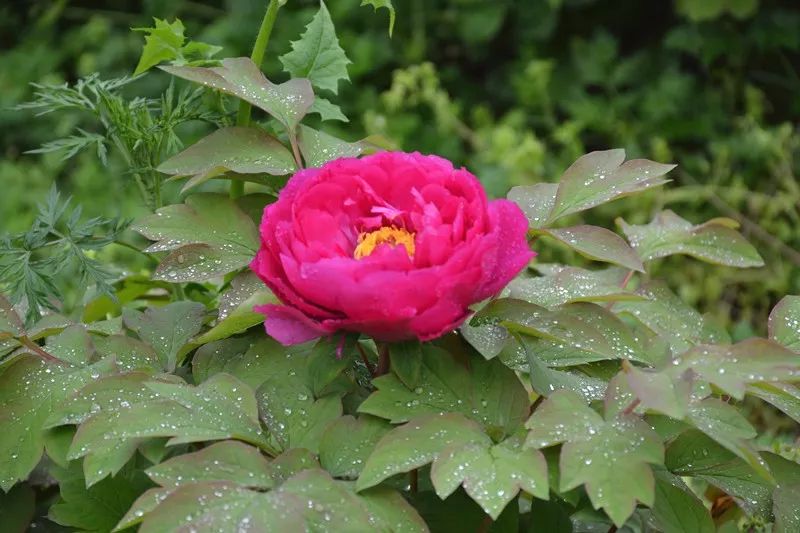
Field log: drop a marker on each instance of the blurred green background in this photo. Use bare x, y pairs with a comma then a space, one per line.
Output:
514, 90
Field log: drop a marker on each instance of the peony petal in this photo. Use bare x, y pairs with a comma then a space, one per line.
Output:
289, 326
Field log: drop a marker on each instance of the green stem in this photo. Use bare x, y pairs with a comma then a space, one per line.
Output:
259, 49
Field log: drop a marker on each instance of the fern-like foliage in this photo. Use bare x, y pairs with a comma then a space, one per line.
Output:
57, 241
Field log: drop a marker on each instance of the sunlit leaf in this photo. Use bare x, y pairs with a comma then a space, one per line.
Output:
599, 177
288, 102
716, 241
317, 55
231, 149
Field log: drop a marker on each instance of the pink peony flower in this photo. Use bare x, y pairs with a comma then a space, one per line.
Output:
394, 245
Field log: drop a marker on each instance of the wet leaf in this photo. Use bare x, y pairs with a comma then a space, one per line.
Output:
599, 244
536, 201
167, 329
406, 362
215, 247
416, 444
232, 149
716, 241
30, 390
317, 55
732, 368
599, 177
784, 323
73, 345
492, 475
676, 509
240, 319
228, 461
319, 147
571, 285
287, 102
327, 110
218, 409
99, 507
610, 458
487, 392
129, 353
347, 443
786, 508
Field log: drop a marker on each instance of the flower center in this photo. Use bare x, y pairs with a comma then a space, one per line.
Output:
368, 241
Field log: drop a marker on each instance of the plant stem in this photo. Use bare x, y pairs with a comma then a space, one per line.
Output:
259, 49
383, 360
35, 348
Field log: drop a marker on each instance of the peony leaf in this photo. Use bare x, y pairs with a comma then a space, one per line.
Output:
30, 390
17, 508
97, 508
786, 508
536, 201
416, 444
733, 368
377, 4
317, 56
240, 319
599, 244
204, 247
492, 475
572, 285
716, 241
231, 149
347, 443
181, 412
487, 391
784, 396
228, 461
610, 458
676, 509
288, 102
167, 329
319, 147
327, 110
73, 345
406, 362
784, 323
599, 177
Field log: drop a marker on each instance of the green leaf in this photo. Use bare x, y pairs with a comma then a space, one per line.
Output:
10, 323
317, 55
784, 396
390, 510
288, 102
30, 390
240, 319
197, 222
571, 285
716, 241
228, 461
599, 177
319, 147
347, 443
251, 359
487, 392
73, 345
569, 335
165, 42
786, 508
327, 110
167, 329
377, 4
100, 507
676, 509
181, 412
784, 323
492, 475
732, 368
294, 417
416, 444
549, 517
232, 149
17, 507
49, 325
536, 201
129, 353
599, 244
609, 457
406, 362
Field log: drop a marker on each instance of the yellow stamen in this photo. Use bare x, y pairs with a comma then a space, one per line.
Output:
367, 242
